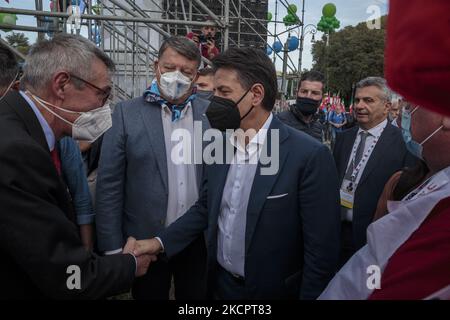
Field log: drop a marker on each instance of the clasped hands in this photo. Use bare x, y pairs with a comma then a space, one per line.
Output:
145, 251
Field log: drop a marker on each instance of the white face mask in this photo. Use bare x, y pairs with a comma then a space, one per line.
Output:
174, 85
89, 126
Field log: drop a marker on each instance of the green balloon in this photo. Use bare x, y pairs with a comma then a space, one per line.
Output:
96, 9
292, 9
329, 10
269, 16
8, 18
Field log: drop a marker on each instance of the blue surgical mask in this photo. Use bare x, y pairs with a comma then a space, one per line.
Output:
413, 146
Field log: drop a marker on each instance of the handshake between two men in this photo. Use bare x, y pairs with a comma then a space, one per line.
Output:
145, 252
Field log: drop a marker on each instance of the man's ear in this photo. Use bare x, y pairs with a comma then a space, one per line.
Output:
195, 78
60, 80
258, 94
388, 107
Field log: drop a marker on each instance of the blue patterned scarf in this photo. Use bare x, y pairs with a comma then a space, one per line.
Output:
152, 94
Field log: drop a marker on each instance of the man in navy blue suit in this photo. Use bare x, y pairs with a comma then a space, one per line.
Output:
272, 231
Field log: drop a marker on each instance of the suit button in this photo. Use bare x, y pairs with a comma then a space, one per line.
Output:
161, 221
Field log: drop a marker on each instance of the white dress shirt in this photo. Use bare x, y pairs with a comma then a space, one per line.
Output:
374, 134
235, 197
182, 180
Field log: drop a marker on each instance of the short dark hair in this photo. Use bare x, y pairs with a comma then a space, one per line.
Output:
252, 66
313, 76
206, 72
183, 46
8, 66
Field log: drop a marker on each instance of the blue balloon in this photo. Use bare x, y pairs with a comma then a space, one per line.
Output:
293, 43
277, 46
269, 51
80, 3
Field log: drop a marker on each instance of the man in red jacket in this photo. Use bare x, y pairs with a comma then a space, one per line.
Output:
206, 40
418, 265
421, 266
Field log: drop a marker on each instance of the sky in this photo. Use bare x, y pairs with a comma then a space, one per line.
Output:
349, 12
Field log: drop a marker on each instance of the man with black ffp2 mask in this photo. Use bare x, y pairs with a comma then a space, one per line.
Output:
303, 114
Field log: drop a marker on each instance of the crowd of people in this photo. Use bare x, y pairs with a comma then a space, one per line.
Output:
93, 185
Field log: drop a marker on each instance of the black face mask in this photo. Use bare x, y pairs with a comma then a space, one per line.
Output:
224, 114
307, 106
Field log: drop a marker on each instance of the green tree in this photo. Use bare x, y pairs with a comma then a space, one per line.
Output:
353, 54
19, 41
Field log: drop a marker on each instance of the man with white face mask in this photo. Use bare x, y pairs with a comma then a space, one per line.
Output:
66, 83
141, 187
408, 251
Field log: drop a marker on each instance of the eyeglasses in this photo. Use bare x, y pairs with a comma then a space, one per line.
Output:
105, 94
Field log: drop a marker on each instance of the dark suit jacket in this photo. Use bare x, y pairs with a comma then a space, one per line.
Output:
291, 242
132, 183
389, 156
38, 242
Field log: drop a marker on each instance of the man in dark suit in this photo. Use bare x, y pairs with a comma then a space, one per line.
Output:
272, 222
42, 253
366, 157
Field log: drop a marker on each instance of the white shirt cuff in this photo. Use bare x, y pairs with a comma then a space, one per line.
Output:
160, 242
107, 253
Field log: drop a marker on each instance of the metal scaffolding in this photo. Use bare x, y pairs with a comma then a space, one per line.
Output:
131, 31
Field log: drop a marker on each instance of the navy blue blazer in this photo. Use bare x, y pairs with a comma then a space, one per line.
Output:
292, 242
389, 156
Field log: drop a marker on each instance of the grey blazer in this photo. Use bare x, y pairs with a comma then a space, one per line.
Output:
132, 186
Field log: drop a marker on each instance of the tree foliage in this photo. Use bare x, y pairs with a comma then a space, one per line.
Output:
19, 41
353, 54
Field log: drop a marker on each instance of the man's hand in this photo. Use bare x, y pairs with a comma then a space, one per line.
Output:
87, 236
150, 246
195, 39
143, 260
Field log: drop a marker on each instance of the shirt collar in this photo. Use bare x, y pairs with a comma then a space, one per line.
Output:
48, 132
377, 130
152, 94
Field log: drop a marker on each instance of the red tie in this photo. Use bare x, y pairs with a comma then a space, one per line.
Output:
56, 160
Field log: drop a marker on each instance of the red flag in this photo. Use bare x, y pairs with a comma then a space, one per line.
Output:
418, 50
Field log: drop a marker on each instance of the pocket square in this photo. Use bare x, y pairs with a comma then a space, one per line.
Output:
277, 196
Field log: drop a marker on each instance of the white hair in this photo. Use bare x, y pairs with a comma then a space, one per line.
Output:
67, 52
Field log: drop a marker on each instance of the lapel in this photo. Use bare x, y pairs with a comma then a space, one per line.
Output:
217, 180
263, 184
198, 111
34, 128
24, 111
378, 152
151, 115
347, 151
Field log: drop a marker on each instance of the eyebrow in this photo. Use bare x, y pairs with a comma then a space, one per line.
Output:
223, 88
